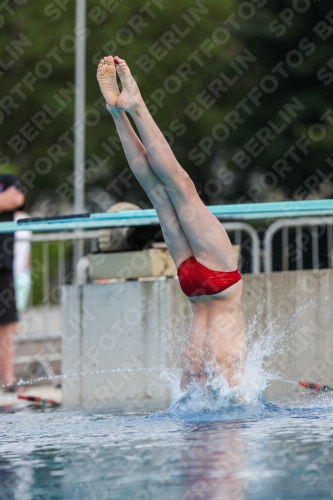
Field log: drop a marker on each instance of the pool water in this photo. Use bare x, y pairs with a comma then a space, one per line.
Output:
231, 451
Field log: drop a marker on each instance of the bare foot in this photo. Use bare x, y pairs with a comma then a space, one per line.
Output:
107, 79
130, 96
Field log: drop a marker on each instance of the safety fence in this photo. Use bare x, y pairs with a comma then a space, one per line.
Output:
298, 244
287, 244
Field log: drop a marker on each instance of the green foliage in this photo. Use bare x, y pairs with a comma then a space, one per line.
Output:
44, 266
280, 35
48, 33
45, 259
9, 169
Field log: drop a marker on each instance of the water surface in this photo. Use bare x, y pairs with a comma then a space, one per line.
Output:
235, 451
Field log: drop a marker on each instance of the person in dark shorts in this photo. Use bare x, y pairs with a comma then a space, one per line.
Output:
11, 199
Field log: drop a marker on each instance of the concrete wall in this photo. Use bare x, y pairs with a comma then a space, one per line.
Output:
128, 333
128, 327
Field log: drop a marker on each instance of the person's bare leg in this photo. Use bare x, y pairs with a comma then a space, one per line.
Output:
174, 236
138, 161
193, 365
209, 242
7, 353
208, 239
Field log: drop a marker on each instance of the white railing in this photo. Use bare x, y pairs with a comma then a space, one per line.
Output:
64, 276
237, 228
284, 225
62, 238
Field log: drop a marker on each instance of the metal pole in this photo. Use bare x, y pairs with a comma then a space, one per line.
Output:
79, 113
255, 242
329, 246
299, 249
285, 249
79, 117
315, 247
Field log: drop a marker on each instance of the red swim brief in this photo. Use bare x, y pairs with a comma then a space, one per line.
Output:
196, 279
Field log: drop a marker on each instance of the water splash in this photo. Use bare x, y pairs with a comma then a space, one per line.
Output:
259, 373
216, 394
216, 391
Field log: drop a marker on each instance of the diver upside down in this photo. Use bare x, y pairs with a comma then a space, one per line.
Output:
197, 241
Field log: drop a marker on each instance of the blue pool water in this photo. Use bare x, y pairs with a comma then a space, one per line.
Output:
235, 451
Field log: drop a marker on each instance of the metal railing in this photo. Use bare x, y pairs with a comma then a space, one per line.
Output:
63, 239
251, 245
293, 248
254, 248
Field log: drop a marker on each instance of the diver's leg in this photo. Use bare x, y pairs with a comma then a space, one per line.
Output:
175, 238
138, 161
208, 240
